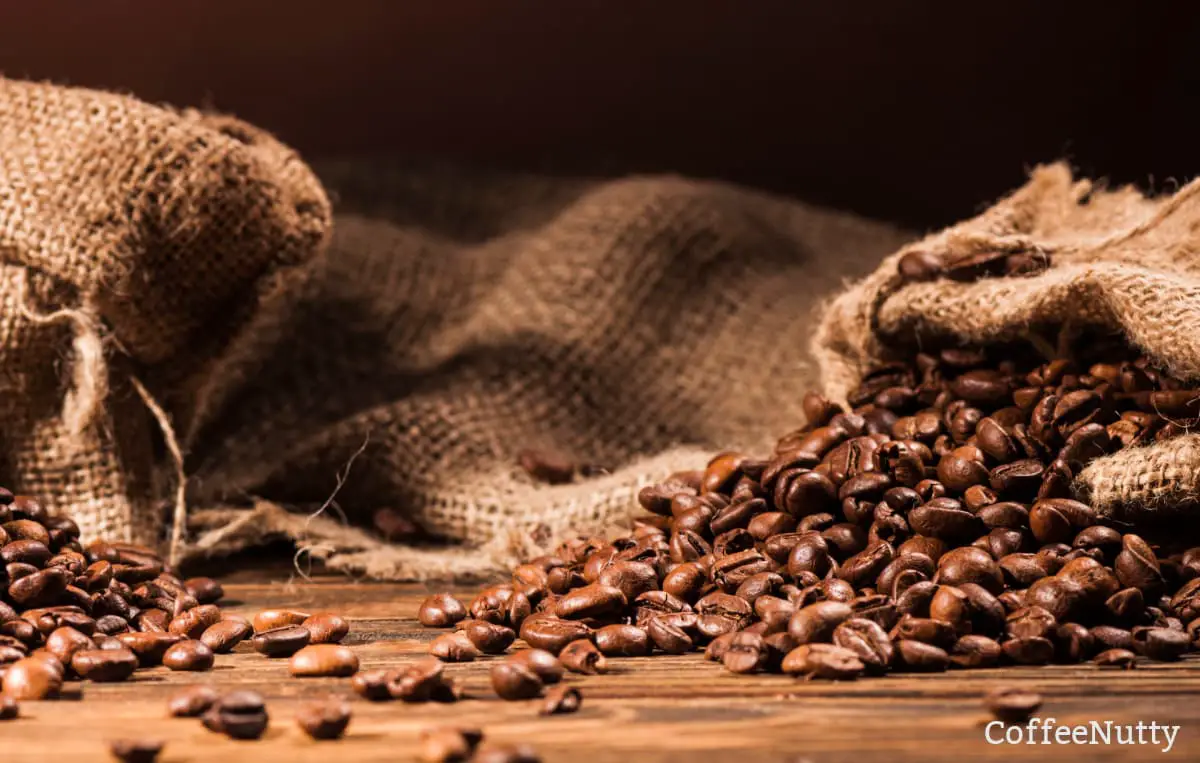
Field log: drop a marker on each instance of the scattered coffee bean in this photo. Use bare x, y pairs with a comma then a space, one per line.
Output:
204, 590
1116, 658
561, 700
280, 642
223, 636
441, 611
454, 647
1012, 705
239, 715
136, 750
514, 681
192, 701
187, 655
149, 647
448, 745
547, 667
9, 707
317, 660
32, 678
324, 719
270, 619
374, 685
623, 641
104, 665
423, 681
583, 657
326, 628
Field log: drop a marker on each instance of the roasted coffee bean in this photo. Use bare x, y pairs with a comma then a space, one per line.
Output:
149, 647
9, 708
623, 641
188, 655
280, 642
1029, 651
323, 660
454, 647
974, 651
1116, 658
970, 565
326, 628
375, 685
823, 661
745, 653
546, 666
1073, 643
925, 630
549, 633
205, 590
490, 638
594, 601
868, 641
239, 715
920, 657
670, 632
224, 635
583, 657
1031, 622
440, 611
1012, 705
1108, 637
324, 719
1137, 567
1164, 644
422, 681
64, 642
32, 678
104, 665
192, 701
561, 700
136, 750
192, 623
514, 681
270, 619
448, 745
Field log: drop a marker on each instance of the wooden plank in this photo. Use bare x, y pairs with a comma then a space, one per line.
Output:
655, 709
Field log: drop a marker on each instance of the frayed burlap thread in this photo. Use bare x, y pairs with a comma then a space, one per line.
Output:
1121, 262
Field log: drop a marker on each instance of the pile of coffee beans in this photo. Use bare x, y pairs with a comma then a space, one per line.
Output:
931, 525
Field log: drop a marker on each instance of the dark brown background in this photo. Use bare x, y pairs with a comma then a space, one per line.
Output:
920, 111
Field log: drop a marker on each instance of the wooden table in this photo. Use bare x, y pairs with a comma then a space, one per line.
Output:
658, 709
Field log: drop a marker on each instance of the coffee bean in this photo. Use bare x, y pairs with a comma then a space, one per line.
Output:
823, 661
188, 655
136, 750
974, 651
9, 708
224, 635
32, 678
375, 685
1116, 658
318, 660
551, 633
594, 601
448, 745
746, 653
1163, 644
920, 657
561, 700
521, 753
324, 719
238, 714
64, 642
326, 628
541, 663
149, 647
283, 641
514, 681
816, 622
104, 665
454, 647
582, 656
1029, 651
270, 619
1012, 705
623, 641
192, 701
205, 590
868, 641
440, 611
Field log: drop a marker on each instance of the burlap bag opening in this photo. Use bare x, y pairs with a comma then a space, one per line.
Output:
1120, 262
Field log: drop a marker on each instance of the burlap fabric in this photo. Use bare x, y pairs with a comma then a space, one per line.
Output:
1120, 261
451, 322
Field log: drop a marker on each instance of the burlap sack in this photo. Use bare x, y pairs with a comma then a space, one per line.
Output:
171, 316
1120, 261
135, 242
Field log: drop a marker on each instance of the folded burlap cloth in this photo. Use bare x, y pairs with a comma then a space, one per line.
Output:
179, 311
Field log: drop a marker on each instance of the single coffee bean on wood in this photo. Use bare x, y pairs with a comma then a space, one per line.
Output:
374, 685
547, 667
583, 657
324, 719
561, 700
448, 745
192, 701
9, 707
239, 714
270, 619
136, 750
188, 655
326, 628
317, 660
280, 642
1012, 705
514, 681
454, 647
223, 636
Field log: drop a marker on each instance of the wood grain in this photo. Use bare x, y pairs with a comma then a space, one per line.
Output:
653, 709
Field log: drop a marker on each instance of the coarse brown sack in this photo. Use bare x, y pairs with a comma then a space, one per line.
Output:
453, 321
1119, 261
135, 243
